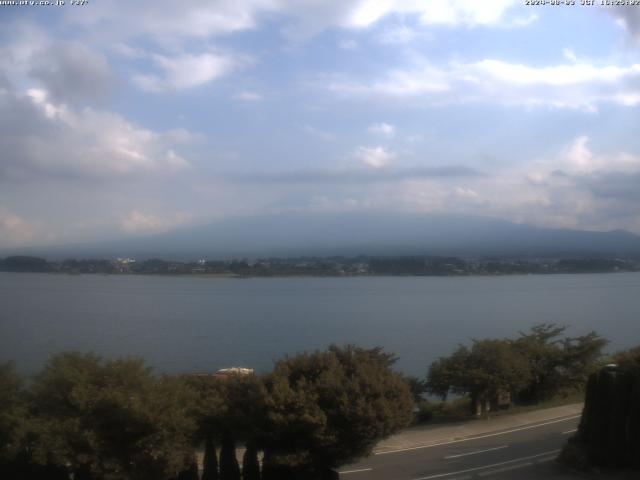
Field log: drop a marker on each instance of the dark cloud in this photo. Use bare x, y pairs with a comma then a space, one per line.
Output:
72, 73
614, 186
360, 176
630, 15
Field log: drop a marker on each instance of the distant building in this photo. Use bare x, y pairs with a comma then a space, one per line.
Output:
228, 372
123, 265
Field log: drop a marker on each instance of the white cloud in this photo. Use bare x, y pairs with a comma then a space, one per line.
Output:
400, 34
42, 138
139, 222
577, 158
186, 71
569, 54
576, 188
467, 193
348, 45
374, 157
433, 12
248, 96
169, 20
317, 132
573, 188
14, 230
384, 129
398, 83
575, 85
556, 76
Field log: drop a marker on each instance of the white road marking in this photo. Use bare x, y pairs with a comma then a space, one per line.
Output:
355, 471
569, 431
440, 475
505, 469
478, 437
476, 452
550, 459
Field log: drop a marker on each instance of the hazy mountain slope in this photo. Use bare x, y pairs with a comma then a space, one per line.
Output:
357, 233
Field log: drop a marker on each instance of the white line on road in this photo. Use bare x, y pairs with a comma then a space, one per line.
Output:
440, 475
543, 460
569, 431
505, 469
476, 452
478, 437
355, 471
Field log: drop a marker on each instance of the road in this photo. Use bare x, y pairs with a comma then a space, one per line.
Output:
516, 453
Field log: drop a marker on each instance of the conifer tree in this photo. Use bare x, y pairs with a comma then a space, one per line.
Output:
229, 468
250, 464
191, 472
210, 462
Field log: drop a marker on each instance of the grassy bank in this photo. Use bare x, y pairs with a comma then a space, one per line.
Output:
459, 409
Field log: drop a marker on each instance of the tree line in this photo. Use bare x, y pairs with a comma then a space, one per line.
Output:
416, 265
114, 419
497, 373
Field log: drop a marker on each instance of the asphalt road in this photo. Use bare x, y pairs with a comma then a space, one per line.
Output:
519, 453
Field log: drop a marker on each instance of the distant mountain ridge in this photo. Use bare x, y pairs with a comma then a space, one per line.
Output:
329, 234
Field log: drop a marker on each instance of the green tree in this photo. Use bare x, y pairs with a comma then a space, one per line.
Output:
581, 356
486, 371
418, 388
250, 464
543, 349
536, 366
210, 461
228, 404
14, 422
110, 419
229, 468
13, 413
448, 372
328, 408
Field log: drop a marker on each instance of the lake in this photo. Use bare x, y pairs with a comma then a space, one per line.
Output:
185, 324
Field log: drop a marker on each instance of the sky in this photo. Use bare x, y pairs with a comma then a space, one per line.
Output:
132, 118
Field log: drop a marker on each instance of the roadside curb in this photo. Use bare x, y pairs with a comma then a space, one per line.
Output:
430, 436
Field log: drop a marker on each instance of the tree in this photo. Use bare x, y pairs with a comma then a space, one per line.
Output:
418, 388
536, 366
490, 369
13, 423
558, 365
210, 461
580, 359
250, 464
190, 473
447, 372
328, 408
609, 430
229, 468
112, 419
543, 349
12, 413
628, 358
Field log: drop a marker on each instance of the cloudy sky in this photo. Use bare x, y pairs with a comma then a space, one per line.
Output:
128, 118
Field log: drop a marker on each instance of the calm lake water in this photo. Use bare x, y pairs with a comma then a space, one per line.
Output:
181, 324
